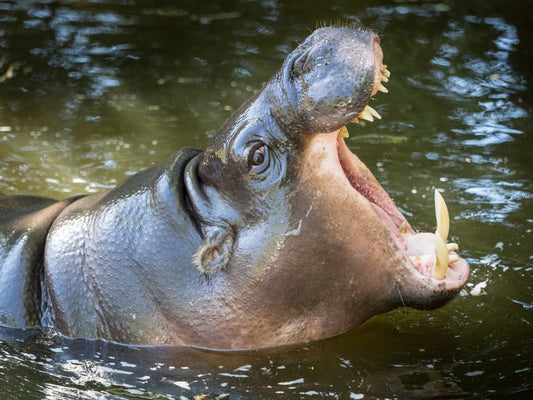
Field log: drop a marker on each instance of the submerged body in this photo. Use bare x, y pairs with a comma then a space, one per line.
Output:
274, 234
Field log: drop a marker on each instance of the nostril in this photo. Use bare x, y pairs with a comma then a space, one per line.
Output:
300, 65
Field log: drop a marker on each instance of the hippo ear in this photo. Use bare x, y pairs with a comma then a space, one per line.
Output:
215, 252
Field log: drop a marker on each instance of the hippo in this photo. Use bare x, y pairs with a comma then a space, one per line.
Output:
275, 234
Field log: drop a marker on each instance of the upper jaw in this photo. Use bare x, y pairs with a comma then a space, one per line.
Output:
327, 81
426, 253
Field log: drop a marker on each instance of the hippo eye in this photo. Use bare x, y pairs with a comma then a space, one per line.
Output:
258, 156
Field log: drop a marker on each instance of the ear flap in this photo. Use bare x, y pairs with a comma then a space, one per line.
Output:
215, 252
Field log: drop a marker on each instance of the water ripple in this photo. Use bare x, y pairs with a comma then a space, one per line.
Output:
498, 198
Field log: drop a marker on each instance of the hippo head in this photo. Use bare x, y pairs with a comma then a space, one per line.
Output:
300, 241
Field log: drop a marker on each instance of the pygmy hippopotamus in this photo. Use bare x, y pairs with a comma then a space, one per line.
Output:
275, 234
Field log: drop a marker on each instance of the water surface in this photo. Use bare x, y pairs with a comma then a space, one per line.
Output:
92, 92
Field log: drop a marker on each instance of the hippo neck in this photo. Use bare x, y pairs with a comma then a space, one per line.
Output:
139, 226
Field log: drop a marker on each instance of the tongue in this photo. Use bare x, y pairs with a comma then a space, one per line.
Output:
421, 244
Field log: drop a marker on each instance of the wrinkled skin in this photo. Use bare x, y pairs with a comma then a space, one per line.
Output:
260, 240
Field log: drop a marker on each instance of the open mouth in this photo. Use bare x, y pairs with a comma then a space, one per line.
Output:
427, 253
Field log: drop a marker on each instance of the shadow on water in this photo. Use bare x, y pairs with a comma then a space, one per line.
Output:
92, 92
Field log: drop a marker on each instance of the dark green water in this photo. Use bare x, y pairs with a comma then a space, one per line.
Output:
94, 91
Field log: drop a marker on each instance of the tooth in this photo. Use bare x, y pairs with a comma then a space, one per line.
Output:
384, 79
382, 88
441, 212
355, 120
344, 132
373, 112
366, 114
403, 227
453, 258
452, 246
441, 263
385, 72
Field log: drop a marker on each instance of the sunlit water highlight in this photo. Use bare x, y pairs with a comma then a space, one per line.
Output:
92, 92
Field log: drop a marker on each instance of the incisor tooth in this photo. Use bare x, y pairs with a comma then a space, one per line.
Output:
441, 212
453, 258
384, 79
452, 246
442, 259
382, 88
344, 132
385, 72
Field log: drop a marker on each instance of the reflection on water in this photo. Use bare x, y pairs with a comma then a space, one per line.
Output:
92, 92
498, 199
65, 368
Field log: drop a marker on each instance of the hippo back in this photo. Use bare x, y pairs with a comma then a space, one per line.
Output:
24, 224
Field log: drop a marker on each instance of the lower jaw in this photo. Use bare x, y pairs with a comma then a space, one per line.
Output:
419, 249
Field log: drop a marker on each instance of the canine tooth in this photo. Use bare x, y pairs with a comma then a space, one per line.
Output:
343, 132
441, 212
366, 114
442, 259
453, 258
382, 88
373, 112
452, 246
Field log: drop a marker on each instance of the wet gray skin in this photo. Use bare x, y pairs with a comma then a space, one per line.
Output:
274, 234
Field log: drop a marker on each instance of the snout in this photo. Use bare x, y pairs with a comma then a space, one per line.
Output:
328, 80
